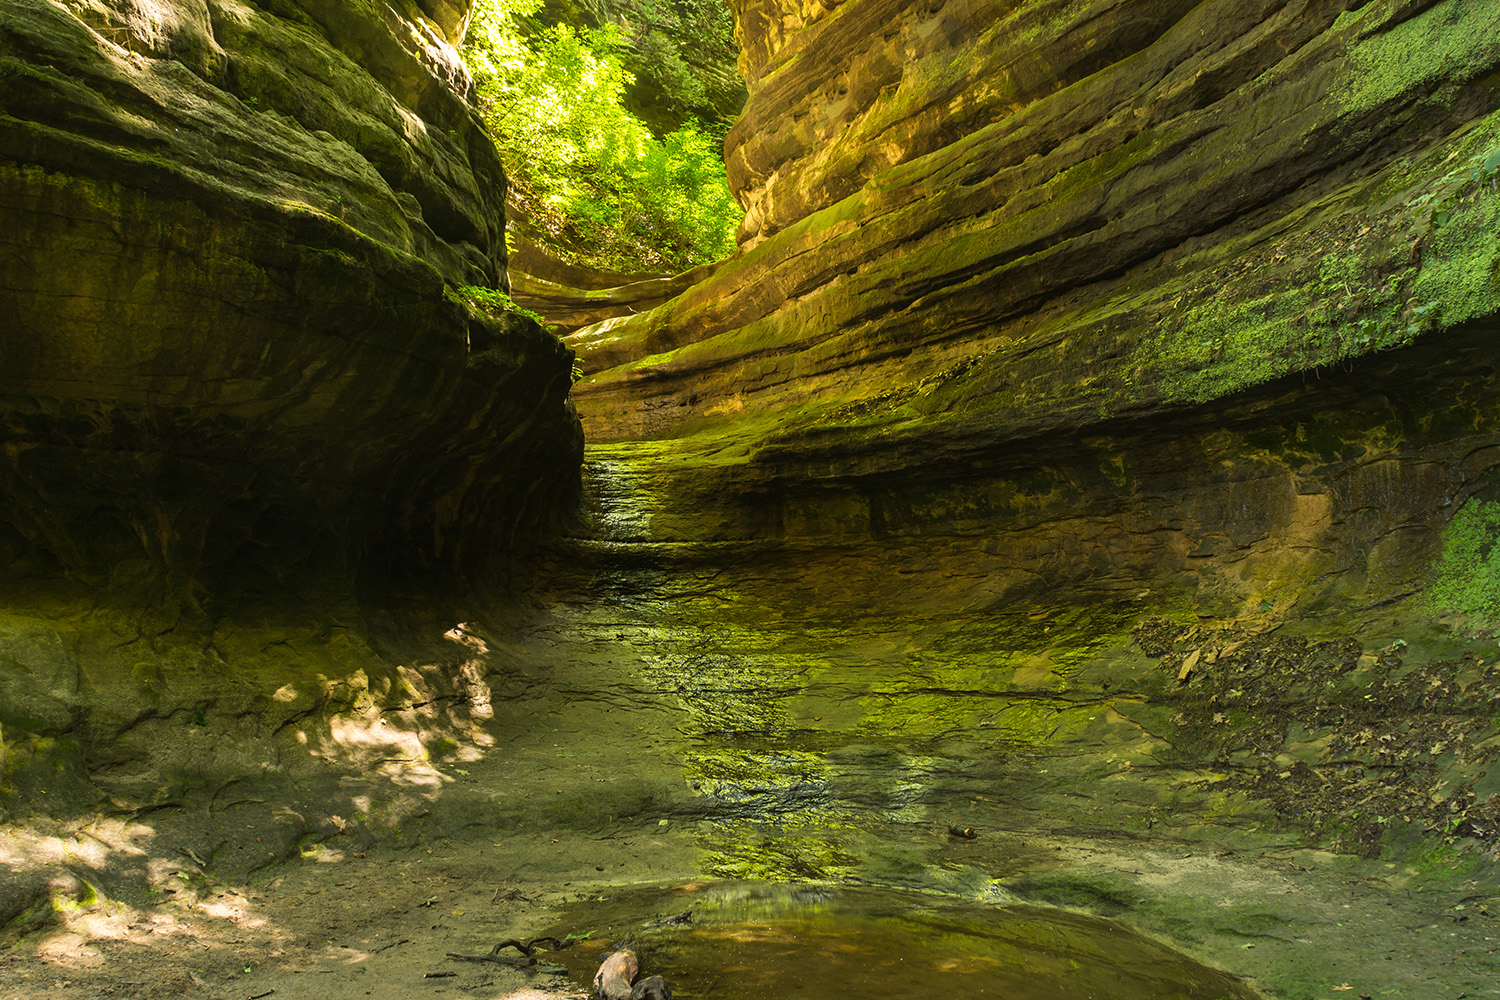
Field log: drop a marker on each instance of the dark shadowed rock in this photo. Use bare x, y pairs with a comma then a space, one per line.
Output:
243, 393
231, 239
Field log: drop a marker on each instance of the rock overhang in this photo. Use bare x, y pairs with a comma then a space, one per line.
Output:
234, 235
1203, 200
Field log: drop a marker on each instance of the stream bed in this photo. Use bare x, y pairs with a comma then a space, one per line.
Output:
768, 941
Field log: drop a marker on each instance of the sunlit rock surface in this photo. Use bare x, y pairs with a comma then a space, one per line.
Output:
1109, 295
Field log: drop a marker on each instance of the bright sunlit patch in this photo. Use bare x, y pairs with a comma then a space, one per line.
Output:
22, 849
460, 633
232, 906
412, 125
374, 740
322, 854
70, 949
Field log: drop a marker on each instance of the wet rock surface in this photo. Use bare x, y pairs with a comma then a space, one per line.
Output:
757, 941
1070, 477
455, 804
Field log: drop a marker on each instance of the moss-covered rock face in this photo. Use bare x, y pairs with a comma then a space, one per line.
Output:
1101, 295
1064, 461
228, 229
1084, 415
244, 392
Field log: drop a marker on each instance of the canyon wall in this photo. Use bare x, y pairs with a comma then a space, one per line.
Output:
1064, 457
248, 393
234, 239
1185, 296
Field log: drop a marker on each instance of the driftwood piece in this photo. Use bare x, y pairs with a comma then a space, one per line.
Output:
615, 979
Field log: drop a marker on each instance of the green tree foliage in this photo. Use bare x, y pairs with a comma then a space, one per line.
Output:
684, 55
592, 177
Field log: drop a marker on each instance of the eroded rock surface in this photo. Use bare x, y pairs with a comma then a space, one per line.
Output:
1062, 460
243, 392
1079, 245
1103, 313
232, 234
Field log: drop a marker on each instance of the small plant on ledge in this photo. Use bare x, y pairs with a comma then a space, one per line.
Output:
493, 302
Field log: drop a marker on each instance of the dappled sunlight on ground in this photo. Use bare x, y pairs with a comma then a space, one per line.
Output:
396, 753
435, 807
166, 928
298, 847
23, 848
325, 927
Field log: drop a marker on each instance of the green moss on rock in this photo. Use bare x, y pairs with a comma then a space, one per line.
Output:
1466, 579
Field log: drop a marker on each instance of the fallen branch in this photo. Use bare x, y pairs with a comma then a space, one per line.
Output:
528, 947
523, 962
529, 963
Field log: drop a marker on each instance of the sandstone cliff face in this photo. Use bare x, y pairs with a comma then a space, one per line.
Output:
1070, 445
1054, 321
242, 393
1012, 276
231, 238
1172, 311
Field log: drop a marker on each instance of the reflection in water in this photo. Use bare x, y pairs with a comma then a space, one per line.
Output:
759, 941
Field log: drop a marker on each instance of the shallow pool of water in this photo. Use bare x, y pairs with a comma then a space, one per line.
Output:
758, 941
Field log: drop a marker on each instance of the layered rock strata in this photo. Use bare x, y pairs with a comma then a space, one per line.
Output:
1069, 449
248, 388
1009, 274
885, 517
233, 237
